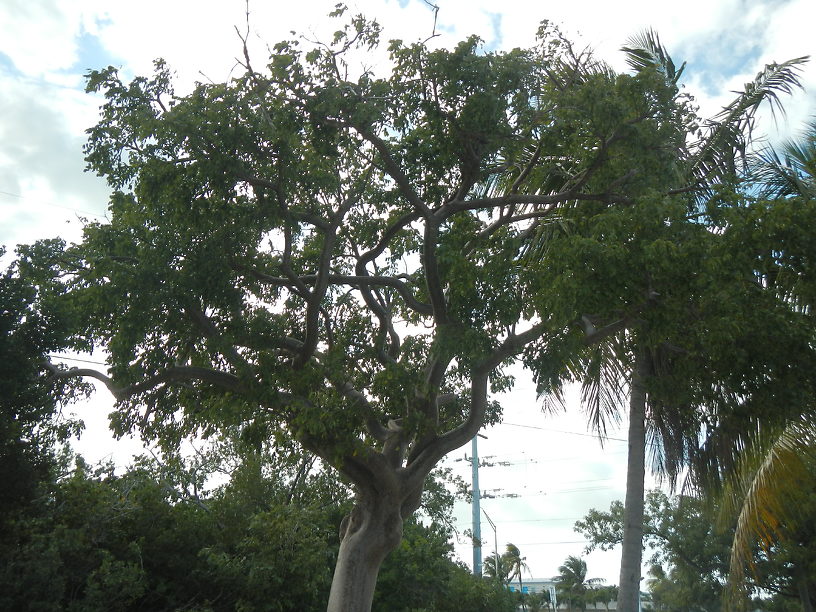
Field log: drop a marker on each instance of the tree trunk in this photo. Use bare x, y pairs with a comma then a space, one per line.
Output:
804, 594
368, 534
632, 553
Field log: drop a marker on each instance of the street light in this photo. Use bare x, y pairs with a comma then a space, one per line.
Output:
495, 545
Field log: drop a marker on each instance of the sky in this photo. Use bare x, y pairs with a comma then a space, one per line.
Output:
555, 467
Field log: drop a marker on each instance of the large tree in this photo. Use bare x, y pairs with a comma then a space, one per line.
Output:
650, 270
310, 250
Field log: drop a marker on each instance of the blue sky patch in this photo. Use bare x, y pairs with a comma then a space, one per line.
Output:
7, 66
496, 39
92, 55
717, 57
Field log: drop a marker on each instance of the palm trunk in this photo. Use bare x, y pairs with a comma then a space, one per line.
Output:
632, 553
368, 535
804, 594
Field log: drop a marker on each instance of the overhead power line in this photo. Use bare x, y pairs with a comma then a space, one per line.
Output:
67, 358
544, 520
52, 205
561, 431
523, 544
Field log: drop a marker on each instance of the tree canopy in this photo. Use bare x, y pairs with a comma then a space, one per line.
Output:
317, 251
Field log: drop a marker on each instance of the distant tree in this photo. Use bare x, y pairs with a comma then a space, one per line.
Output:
572, 585
690, 553
496, 569
603, 595
464, 591
538, 602
687, 548
515, 566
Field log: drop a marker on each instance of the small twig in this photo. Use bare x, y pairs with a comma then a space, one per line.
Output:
436, 14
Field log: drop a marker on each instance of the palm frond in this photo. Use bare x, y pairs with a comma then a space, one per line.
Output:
762, 493
602, 393
644, 51
725, 139
790, 171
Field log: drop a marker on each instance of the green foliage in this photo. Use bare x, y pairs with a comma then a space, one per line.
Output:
497, 568
30, 422
231, 202
691, 555
420, 575
156, 538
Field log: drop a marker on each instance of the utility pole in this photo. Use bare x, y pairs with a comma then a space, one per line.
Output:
477, 519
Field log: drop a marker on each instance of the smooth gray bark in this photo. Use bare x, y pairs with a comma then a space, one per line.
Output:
368, 535
632, 553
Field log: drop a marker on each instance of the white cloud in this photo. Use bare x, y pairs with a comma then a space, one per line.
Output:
39, 37
42, 173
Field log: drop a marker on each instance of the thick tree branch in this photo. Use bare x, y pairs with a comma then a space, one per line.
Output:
393, 170
528, 168
224, 380
433, 281
455, 206
210, 331
423, 459
315, 299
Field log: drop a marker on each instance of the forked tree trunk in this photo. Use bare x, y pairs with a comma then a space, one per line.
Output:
368, 534
632, 553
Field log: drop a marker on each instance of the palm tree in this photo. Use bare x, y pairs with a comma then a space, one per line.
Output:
714, 158
538, 602
572, 583
496, 568
618, 350
515, 565
763, 476
766, 492
710, 160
